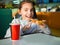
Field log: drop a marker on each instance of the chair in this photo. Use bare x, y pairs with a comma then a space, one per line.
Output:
5, 19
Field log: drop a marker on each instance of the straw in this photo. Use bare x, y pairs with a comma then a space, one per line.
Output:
14, 17
14, 20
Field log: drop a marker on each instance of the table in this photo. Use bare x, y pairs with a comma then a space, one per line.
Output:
33, 39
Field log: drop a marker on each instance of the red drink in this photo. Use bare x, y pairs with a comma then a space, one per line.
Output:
15, 31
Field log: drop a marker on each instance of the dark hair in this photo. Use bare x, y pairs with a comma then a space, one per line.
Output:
28, 1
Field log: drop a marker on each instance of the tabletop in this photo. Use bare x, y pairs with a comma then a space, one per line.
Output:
33, 39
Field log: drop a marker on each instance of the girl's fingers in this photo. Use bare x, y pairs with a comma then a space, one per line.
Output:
43, 26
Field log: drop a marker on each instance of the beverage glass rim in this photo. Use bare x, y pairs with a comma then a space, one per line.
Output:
13, 24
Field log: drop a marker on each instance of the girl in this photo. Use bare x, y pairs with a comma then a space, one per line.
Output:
28, 23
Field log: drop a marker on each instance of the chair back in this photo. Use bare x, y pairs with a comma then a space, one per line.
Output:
5, 19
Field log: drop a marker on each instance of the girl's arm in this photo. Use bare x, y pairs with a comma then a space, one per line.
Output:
8, 33
42, 26
45, 29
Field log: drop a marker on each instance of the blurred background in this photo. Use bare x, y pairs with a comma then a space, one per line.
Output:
41, 5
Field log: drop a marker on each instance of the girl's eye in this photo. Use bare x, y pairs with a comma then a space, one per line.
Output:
25, 10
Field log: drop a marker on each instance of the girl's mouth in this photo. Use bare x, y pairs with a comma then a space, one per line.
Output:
28, 16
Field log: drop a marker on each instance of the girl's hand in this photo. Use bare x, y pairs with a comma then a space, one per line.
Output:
44, 21
42, 25
27, 27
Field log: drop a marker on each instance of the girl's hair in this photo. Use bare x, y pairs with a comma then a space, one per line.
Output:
28, 1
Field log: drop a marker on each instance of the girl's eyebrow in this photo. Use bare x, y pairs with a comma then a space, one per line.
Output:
27, 8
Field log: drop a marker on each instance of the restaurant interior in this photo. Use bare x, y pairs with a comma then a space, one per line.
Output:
45, 10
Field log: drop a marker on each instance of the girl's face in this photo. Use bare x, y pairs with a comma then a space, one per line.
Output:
27, 11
